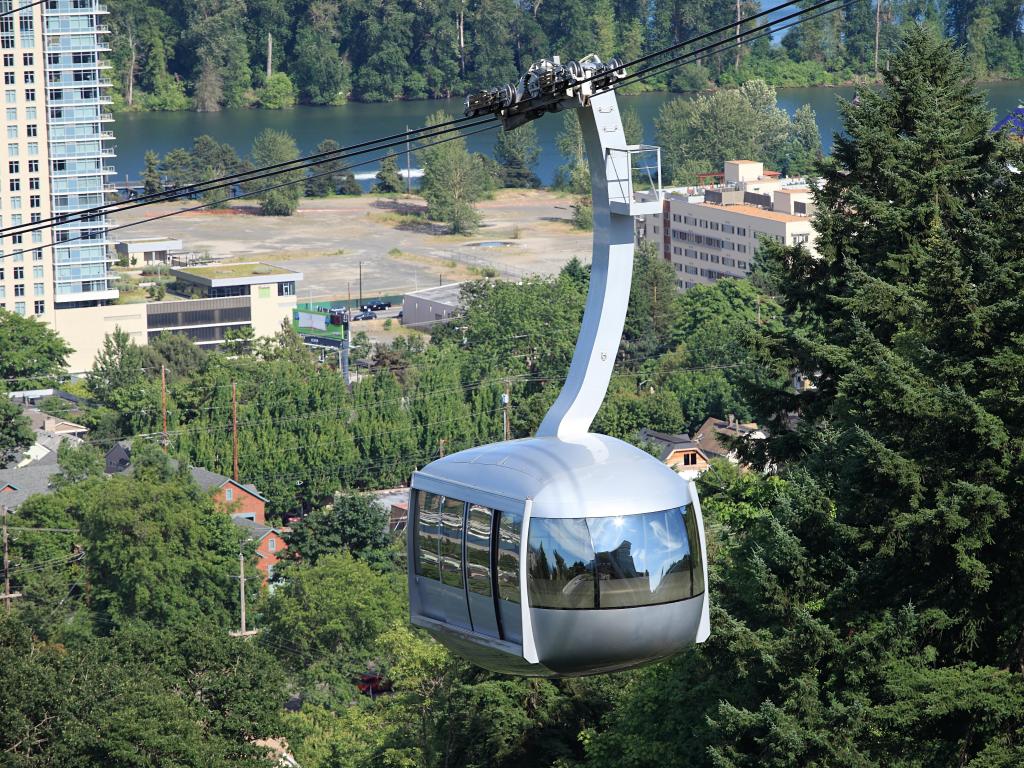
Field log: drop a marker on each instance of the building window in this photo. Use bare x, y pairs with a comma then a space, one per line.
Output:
11, 96
30, 77
229, 494
19, 308
30, 94
8, 59
12, 150
32, 130
800, 239
33, 166
19, 273
33, 183
9, 78
40, 307
38, 289
34, 201
28, 59
286, 289
14, 167
37, 271
271, 544
19, 289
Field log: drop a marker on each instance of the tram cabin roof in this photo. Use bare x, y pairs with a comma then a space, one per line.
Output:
593, 476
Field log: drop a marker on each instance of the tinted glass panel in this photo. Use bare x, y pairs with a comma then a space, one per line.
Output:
428, 534
561, 566
638, 560
478, 550
510, 532
696, 559
641, 559
451, 542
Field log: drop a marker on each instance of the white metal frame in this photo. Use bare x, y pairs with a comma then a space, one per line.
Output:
611, 270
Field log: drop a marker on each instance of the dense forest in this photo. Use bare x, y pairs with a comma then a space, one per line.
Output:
865, 586
210, 54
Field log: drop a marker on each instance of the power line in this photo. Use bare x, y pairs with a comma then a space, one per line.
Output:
253, 193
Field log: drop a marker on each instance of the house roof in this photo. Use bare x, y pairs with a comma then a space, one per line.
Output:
211, 481
665, 442
254, 531
26, 481
714, 432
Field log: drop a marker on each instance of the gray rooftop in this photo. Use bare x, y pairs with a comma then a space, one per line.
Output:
450, 294
253, 530
27, 481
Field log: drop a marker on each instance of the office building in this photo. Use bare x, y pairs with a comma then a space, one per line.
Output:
711, 233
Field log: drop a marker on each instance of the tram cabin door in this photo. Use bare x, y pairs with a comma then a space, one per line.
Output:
467, 565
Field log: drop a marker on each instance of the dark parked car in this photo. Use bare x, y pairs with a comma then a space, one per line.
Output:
376, 306
365, 316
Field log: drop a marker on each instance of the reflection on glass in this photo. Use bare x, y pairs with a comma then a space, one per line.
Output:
561, 566
637, 559
478, 550
696, 561
451, 542
510, 531
428, 535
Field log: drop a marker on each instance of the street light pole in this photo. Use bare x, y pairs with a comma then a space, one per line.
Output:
360, 285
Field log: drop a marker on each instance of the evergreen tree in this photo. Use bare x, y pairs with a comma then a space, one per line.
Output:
388, 180
269, 148
325, 178
152, 182
453, 180
517, 152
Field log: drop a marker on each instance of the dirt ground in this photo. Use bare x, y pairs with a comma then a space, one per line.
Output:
328, 239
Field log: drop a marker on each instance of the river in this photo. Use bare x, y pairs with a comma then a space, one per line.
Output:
138, 132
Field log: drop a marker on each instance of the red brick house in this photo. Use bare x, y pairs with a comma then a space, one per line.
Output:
269, 543
237, 499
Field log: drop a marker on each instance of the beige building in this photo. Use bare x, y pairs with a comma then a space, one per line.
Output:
203, 305
716, 232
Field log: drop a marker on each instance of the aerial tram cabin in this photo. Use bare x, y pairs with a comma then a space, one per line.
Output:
569, 553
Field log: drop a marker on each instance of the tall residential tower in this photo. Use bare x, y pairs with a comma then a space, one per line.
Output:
55, 156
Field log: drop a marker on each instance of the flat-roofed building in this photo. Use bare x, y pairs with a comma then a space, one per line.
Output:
423, 309
204, 303
716, 233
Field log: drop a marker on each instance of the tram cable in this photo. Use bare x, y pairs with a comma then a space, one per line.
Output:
764, 30
243, 177
399, 139
25, 7
252, 193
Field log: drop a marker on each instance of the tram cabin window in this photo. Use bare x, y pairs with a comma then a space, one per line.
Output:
510, 532
615, 562
428, 535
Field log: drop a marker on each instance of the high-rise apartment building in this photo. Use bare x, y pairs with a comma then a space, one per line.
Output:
714, 233
54, 157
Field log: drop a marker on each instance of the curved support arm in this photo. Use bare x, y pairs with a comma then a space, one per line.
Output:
611, 273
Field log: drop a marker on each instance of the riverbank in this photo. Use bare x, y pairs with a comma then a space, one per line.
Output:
355, 122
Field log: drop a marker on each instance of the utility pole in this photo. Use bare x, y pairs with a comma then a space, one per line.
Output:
7, 596
408, 165
234, 428
738, 47
878, 31
506, 400
360, 285
163, 401
270, 55
243, 632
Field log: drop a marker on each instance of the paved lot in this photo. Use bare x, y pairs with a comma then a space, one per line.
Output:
328, 239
